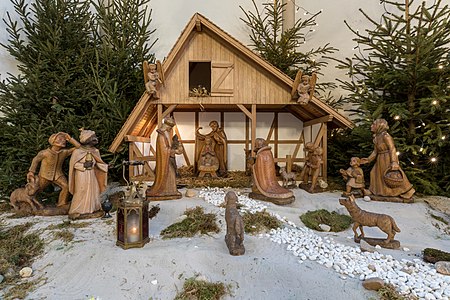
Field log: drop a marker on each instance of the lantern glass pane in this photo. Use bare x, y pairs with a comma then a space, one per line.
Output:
133, 227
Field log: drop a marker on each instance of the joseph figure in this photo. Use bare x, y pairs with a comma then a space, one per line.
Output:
165, 185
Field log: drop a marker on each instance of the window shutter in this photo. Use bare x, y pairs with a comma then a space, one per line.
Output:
222, 79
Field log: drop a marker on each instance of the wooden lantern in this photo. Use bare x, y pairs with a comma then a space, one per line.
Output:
132, 222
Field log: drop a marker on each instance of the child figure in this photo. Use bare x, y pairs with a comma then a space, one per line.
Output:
354, 176
153, 81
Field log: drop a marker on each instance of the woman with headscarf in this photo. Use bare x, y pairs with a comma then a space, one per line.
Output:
87, 178
386, 177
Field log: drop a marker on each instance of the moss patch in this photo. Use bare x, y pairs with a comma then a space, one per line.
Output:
196, 222
18, 248
200, 289
20, 291
337, 222
65, 235
259, 221
68, 224
388, 292
439, 218
434, 255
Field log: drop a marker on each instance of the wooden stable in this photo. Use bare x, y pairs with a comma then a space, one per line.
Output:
238, 80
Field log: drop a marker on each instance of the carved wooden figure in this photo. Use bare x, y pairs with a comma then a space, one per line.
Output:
235, 226
288, 177
354, 176
50, 162
364, 218
219, 144
388, 182
153, 77
265, 184
303, 87
165, 185
24, 199
88, 175
312, 167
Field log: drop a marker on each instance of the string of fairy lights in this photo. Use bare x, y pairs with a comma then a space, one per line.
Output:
435, 103
311, 29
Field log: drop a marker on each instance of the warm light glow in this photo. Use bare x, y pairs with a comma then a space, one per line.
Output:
443, 137
433, 159
412, 163
134, 230
397, 117
434, 102
440, 66
421, 149
398, 153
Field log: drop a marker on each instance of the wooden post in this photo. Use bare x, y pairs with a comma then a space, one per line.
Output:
160, 111
288, 163
275, 145
253, 129
324, 154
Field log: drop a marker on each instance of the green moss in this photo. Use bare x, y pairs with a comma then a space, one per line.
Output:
388, 292
68, 224
196, 222
18, 248
200, 289
337, 222
439, 218
65, 235
434, 255
21, 290
259, 221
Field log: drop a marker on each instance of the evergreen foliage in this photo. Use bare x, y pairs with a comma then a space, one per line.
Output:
402, 73
78, 68
282, 47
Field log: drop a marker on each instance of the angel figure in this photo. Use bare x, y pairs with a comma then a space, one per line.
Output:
303, 87
153, 77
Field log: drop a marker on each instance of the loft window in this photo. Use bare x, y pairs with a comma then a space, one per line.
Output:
199, 79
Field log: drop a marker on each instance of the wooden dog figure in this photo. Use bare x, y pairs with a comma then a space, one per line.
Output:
287, 177
26, 196
235, 226
364, 218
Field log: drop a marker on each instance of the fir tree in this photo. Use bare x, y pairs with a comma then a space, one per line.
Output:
402, 73
282, 47
70, 76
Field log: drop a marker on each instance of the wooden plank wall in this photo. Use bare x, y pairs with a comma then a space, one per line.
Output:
252, 84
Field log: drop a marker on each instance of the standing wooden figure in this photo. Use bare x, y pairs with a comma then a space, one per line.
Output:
87, 178
354, 177
312, 167
165, 185
388, 182
235, 225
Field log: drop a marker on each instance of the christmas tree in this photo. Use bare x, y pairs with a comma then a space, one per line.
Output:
78, 68
281, 47
401, 72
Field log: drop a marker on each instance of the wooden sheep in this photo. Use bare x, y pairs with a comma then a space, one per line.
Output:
287, 177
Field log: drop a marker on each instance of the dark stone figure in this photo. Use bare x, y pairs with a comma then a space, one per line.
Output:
235, 226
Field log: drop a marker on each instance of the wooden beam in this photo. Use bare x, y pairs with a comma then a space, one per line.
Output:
169, 110
198, 25
245, 111
160, 112
132, 138
323, 119
186, 157
275, 121
301, 140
